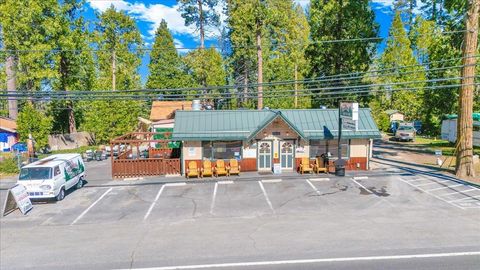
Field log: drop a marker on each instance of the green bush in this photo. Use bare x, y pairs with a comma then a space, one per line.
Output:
9, 166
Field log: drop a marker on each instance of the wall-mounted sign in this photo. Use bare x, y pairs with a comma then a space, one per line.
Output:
191, 151
300, 149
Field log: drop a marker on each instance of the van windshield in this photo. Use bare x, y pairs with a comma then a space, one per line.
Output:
37, 173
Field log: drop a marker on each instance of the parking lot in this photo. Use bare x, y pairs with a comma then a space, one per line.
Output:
252, 198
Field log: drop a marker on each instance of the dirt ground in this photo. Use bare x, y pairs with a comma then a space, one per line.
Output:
409, 152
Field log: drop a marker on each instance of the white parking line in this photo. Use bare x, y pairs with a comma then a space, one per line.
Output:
431, 194
460, 192
319, 179
431, 183
212, 205
266, 196
360, 177
176, 184
466, 198
314, 188
243, 265
154, 202
226, 182
444, 187
90, 207
271, 180
366, 189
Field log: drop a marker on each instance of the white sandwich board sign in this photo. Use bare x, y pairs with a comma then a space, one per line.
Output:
349, 115
17, 197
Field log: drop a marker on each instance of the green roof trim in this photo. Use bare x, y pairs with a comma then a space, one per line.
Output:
246, 124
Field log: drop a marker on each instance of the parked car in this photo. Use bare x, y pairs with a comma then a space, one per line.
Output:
52, 176
405, 133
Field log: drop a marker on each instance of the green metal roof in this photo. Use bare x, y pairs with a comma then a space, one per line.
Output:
245, 124
475, 116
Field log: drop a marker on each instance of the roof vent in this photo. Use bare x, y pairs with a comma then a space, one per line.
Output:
196, 106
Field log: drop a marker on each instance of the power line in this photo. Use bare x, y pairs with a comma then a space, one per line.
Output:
139, 48
332, 78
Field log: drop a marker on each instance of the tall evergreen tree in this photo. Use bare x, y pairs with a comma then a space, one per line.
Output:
166, 66
338, 20
200, 13
74, 64
118, 40
398, 59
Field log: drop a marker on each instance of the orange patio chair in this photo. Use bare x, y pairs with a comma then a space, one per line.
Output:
207, 168
305, 166
220, 168
192, 170
319, 165
234, 168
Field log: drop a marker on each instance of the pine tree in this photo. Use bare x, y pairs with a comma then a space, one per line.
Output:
194, 13
338, 20
398, 59
119, 57
166, 66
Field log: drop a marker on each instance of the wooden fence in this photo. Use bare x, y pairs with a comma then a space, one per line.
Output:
125, 168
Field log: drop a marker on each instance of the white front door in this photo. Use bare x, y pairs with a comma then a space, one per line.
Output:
286, 154
265, 155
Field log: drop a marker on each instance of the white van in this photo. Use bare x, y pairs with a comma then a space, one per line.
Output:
52, 176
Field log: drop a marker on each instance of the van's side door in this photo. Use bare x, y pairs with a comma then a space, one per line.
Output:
57, 178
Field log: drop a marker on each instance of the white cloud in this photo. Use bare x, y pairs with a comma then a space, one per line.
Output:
151, 14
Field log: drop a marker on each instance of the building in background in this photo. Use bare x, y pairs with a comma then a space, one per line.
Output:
395, 115
8, 134
449, 128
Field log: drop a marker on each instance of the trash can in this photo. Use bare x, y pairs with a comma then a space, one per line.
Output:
340, 167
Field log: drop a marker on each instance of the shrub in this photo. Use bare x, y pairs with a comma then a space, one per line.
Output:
9, 166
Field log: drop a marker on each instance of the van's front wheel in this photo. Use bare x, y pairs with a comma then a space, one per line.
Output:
79, 183
61, 194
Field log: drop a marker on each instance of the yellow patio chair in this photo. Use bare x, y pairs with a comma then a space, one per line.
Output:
305, 166
320, 165
234, 168
207, 168
220, 168
192, 170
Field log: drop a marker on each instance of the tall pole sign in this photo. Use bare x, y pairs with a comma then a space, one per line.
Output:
348, 120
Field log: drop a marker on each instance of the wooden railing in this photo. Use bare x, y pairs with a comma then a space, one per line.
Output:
124, 168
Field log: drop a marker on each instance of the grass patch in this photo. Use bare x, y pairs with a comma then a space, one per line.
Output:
8, 164
433, 144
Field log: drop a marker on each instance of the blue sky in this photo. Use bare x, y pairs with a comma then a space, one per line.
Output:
149, 13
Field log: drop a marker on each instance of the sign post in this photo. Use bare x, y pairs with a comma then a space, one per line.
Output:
348, 119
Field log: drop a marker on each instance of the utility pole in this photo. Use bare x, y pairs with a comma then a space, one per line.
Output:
464, 162
11, 86
114, 70
260, 64
296, 86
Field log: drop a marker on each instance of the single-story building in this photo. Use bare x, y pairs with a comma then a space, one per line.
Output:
8, 134
449, 128
258, 139
395, 115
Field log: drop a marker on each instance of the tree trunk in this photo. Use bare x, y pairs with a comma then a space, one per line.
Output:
260, 65
202, 30
296, 86
245, 85
64, 72
464, 163
11, 87
114, 70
